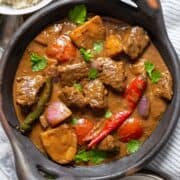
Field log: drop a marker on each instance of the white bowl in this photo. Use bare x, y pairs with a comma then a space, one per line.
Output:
8, 10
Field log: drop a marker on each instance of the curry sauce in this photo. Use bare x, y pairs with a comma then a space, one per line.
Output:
92, 65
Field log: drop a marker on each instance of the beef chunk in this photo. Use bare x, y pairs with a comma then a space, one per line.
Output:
111, 73
135, 41
70, 74
93, 30
72, 97
96, 94
49, 34
27, 88
138, 67
163, 88
113, 45
60, 143
109, 143
51, 70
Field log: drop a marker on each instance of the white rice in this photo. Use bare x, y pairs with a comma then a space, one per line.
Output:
19, 3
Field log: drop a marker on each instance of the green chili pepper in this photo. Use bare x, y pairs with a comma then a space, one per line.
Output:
27, 125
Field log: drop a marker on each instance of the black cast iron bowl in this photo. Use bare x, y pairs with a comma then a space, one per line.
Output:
29, 161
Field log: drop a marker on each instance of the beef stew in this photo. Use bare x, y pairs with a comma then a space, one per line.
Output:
103, 89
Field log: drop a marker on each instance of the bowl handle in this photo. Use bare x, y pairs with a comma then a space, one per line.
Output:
150, 16
31, 167
149, 7
151, 12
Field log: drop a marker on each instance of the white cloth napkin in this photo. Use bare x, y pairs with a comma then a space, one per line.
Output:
168, 160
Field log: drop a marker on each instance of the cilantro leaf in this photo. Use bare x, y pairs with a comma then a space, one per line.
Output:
38, 62
153, 74
98, 46
78, 87
93, 156
78, 14
93, 74
108, 114
133, 146
149, 67
74, 121
97, 156
82, 156
87, 54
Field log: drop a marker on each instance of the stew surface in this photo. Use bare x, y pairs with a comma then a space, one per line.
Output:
90, 89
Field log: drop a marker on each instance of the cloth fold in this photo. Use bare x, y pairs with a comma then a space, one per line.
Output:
168, 159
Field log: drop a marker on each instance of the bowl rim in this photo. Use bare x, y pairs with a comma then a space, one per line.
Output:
176, 100
8, 10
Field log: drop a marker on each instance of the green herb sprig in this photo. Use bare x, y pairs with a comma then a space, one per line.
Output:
93, 74
94, 156
108, 114
133, 146
88, 54
153, 74
78, 14
38, 62
78, 87
98, 46
74, 121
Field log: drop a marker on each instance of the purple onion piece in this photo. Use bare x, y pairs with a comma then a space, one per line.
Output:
144, 106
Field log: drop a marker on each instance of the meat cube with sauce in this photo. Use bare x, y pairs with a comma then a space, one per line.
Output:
27, 88
111, 73
49, 34
72, 97
109, 143
60, 143
86, 35
96, 94
138, 67
135, 41
70, 74
163, 88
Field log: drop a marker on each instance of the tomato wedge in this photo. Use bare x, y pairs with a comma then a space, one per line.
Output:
82, 128
63, 50
130, 129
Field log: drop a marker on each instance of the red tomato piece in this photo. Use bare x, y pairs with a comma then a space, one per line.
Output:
82, 128
62, 50
130, 129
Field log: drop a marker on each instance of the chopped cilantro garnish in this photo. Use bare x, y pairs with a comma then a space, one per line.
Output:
133, 146
78, 86
87, 54
38, 62
153, 74
98, 46
108, 114
74, 121
78, 14
93, 74
93, 156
